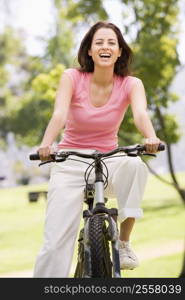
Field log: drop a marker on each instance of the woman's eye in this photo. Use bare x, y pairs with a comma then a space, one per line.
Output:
110, 43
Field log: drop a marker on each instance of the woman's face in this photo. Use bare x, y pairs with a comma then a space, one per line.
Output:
104, 48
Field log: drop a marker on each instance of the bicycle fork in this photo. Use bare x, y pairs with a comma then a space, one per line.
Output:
110, 216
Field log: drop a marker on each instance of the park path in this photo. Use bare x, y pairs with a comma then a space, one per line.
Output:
144, 254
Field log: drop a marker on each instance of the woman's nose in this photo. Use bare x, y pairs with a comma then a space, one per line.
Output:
105, 47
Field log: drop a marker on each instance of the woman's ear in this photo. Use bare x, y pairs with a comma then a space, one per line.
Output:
120, 51
89, 52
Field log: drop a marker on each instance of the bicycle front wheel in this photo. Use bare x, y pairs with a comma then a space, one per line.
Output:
101, 264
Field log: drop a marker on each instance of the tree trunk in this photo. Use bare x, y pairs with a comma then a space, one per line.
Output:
180, 191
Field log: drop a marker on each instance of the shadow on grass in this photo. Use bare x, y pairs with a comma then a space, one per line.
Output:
163, 209
174, 209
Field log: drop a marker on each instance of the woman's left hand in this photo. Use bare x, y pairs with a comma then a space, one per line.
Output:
152, 144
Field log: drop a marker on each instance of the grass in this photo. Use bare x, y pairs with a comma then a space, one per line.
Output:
21, 228
163, 267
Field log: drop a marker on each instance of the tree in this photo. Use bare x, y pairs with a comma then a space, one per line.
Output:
156, 63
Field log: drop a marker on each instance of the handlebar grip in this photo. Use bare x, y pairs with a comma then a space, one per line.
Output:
161, 147
34, 156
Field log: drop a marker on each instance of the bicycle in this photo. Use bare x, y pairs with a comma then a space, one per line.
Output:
100, 223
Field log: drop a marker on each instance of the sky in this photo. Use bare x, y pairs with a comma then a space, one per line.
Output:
35, 17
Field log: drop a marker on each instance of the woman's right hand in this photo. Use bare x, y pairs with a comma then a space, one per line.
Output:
44, 152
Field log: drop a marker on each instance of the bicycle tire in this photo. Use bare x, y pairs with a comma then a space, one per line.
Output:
79, 271
101, 264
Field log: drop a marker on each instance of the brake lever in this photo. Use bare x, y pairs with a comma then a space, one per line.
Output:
53, 160
150, 154
132, 154
140, 153
60, 159
46, 162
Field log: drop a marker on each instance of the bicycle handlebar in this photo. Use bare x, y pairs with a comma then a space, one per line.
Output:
139, 149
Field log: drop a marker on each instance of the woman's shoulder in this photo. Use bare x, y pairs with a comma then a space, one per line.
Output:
75, 73
128, 79
78, 77
132, 83
127, 83
133, 79
71, 71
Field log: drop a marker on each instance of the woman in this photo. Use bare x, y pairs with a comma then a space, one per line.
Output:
90, 104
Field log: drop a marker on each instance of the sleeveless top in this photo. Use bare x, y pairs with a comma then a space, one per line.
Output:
90, 127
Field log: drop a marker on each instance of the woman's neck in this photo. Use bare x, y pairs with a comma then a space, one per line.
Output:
102, 77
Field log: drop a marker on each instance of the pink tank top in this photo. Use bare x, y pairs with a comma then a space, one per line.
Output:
90, 127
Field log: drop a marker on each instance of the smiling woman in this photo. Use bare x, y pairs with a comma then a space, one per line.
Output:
91, 102
104, 47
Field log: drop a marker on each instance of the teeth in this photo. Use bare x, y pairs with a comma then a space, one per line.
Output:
105, 55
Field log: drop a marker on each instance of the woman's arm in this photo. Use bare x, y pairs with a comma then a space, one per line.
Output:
141, 118
59, 116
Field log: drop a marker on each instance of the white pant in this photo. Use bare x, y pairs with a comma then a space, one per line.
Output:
127, 179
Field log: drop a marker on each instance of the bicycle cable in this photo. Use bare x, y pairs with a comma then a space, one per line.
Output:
107, 175
109, 157
79, 160
88, 173
86, 177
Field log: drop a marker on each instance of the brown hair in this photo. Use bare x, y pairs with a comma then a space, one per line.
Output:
123, 62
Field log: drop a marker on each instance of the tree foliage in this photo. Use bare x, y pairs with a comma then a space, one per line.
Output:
36, 107
60, 45
86, 11
11, 50
156, 62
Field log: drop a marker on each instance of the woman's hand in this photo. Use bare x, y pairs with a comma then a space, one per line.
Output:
152, 144
44, 152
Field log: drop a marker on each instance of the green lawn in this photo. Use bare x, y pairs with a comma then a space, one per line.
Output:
21, 228
163, 267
